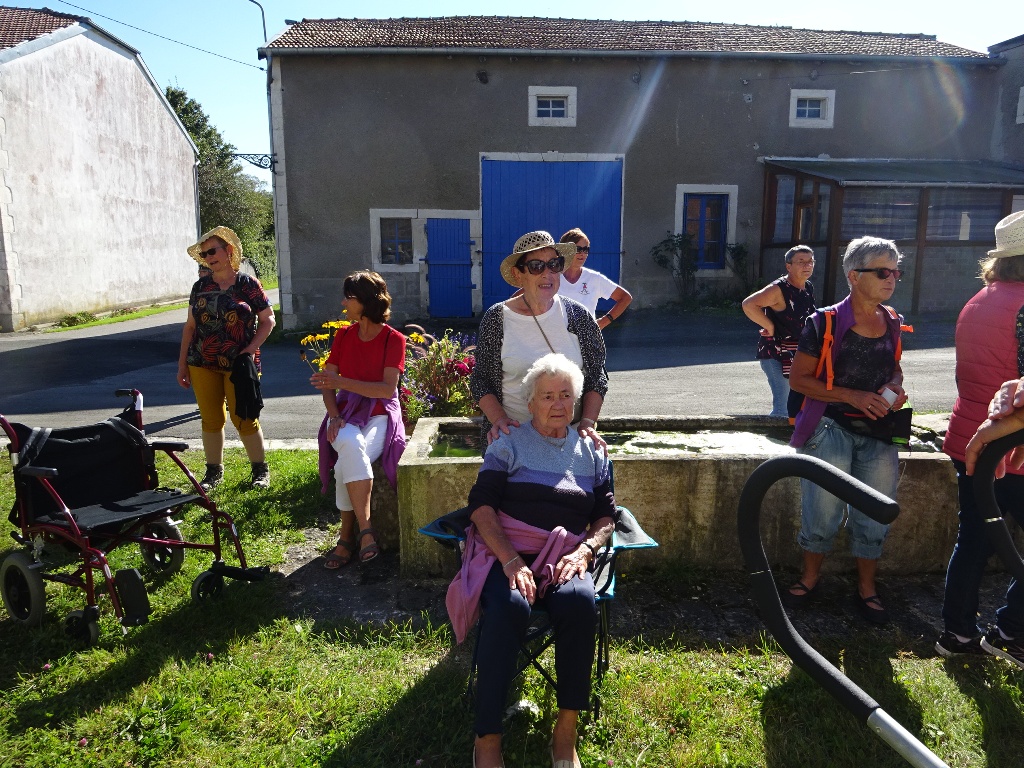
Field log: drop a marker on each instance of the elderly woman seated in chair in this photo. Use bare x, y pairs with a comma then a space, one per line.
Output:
541, 507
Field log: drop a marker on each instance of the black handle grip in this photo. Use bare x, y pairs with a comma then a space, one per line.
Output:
766, 594
988, 507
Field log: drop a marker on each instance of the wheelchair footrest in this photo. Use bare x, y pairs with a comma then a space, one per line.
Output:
256, 573
131, 592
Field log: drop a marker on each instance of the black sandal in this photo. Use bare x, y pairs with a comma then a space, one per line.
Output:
797, 600
336, 560
372, 549
875, 615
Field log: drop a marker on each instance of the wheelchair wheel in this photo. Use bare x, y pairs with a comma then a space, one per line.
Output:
162, 560
207, 585
24, 592
81, 631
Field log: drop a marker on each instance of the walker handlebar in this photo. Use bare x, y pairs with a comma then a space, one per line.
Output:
988, 507
766, 594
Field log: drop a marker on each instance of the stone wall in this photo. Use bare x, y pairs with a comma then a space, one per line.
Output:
689, 505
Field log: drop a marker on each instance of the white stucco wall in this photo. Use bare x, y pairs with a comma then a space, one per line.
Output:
97, 199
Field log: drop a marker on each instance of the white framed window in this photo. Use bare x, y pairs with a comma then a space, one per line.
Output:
811, 109
396, 239
552, 106
708, 213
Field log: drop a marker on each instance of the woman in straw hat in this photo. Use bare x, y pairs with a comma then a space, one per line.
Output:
229, 316
515, 333
989, 351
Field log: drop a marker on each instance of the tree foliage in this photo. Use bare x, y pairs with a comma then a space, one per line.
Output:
227, 195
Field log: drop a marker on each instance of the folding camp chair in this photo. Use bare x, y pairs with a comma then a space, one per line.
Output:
81, 492
450, 531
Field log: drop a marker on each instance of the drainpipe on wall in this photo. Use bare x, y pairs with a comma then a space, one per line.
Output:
273, 171
195, 187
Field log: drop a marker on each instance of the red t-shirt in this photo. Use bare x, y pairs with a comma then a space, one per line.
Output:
366, 360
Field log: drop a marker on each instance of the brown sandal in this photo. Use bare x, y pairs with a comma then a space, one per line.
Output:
336, 560
372, 549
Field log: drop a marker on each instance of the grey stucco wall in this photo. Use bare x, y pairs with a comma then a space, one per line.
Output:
1008, 142
97, 200
363, 132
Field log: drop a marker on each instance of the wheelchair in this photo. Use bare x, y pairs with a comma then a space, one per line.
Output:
450, 532
80, 493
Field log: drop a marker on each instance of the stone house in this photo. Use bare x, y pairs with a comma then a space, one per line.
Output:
422, 148
97, 175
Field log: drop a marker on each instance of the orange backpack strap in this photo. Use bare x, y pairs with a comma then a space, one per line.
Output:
825, 358
904, 328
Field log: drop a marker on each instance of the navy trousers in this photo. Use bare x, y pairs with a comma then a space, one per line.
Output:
971, 554
506, 617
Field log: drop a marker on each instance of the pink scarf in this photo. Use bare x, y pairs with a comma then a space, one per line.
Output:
463, 599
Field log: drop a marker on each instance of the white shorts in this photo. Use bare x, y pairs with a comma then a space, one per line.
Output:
357, 450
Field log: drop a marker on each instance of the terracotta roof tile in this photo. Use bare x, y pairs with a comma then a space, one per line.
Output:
535, 34
18, 25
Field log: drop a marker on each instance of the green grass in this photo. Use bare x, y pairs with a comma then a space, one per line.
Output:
74, 322
120, 317
242, 682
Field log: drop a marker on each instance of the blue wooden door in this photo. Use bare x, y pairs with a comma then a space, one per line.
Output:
522, 196
449, 268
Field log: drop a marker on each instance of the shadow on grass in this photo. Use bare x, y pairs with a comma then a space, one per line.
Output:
992, 688
804, 725
183, 635
423, 726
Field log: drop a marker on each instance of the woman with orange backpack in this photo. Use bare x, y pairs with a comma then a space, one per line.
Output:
847, 367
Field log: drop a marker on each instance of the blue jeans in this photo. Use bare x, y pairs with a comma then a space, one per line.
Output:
870, 461
971, 554
780, 386
506, 617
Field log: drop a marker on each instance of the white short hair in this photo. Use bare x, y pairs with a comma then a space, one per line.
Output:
553, 364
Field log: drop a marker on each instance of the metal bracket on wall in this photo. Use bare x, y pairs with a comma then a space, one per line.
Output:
260, 161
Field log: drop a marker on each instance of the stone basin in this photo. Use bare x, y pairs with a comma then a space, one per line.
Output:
688, 500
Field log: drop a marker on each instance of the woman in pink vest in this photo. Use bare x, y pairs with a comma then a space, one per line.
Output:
989, 351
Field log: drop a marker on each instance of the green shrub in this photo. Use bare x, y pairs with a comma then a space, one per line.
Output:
78, 318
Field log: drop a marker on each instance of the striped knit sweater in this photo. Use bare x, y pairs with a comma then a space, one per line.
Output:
545, 482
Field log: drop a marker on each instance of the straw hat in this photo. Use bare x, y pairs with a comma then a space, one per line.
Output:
1009, 237
531, 241
229, 237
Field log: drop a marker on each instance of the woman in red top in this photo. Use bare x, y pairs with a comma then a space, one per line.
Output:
359, 383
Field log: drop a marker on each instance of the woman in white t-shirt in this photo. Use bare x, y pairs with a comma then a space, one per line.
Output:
537, 321
588, 286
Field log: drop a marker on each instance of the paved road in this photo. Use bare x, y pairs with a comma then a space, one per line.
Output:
661, 363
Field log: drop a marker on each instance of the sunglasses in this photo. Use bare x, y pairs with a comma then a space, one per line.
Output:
882, 273
537, 267
210, 252
582, 249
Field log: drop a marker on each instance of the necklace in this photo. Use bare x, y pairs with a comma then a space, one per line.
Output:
556, 442
541, 329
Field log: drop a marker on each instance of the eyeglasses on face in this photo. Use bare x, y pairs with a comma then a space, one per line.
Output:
882, 273
537, 267
582, 249
807, 263
206, 254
